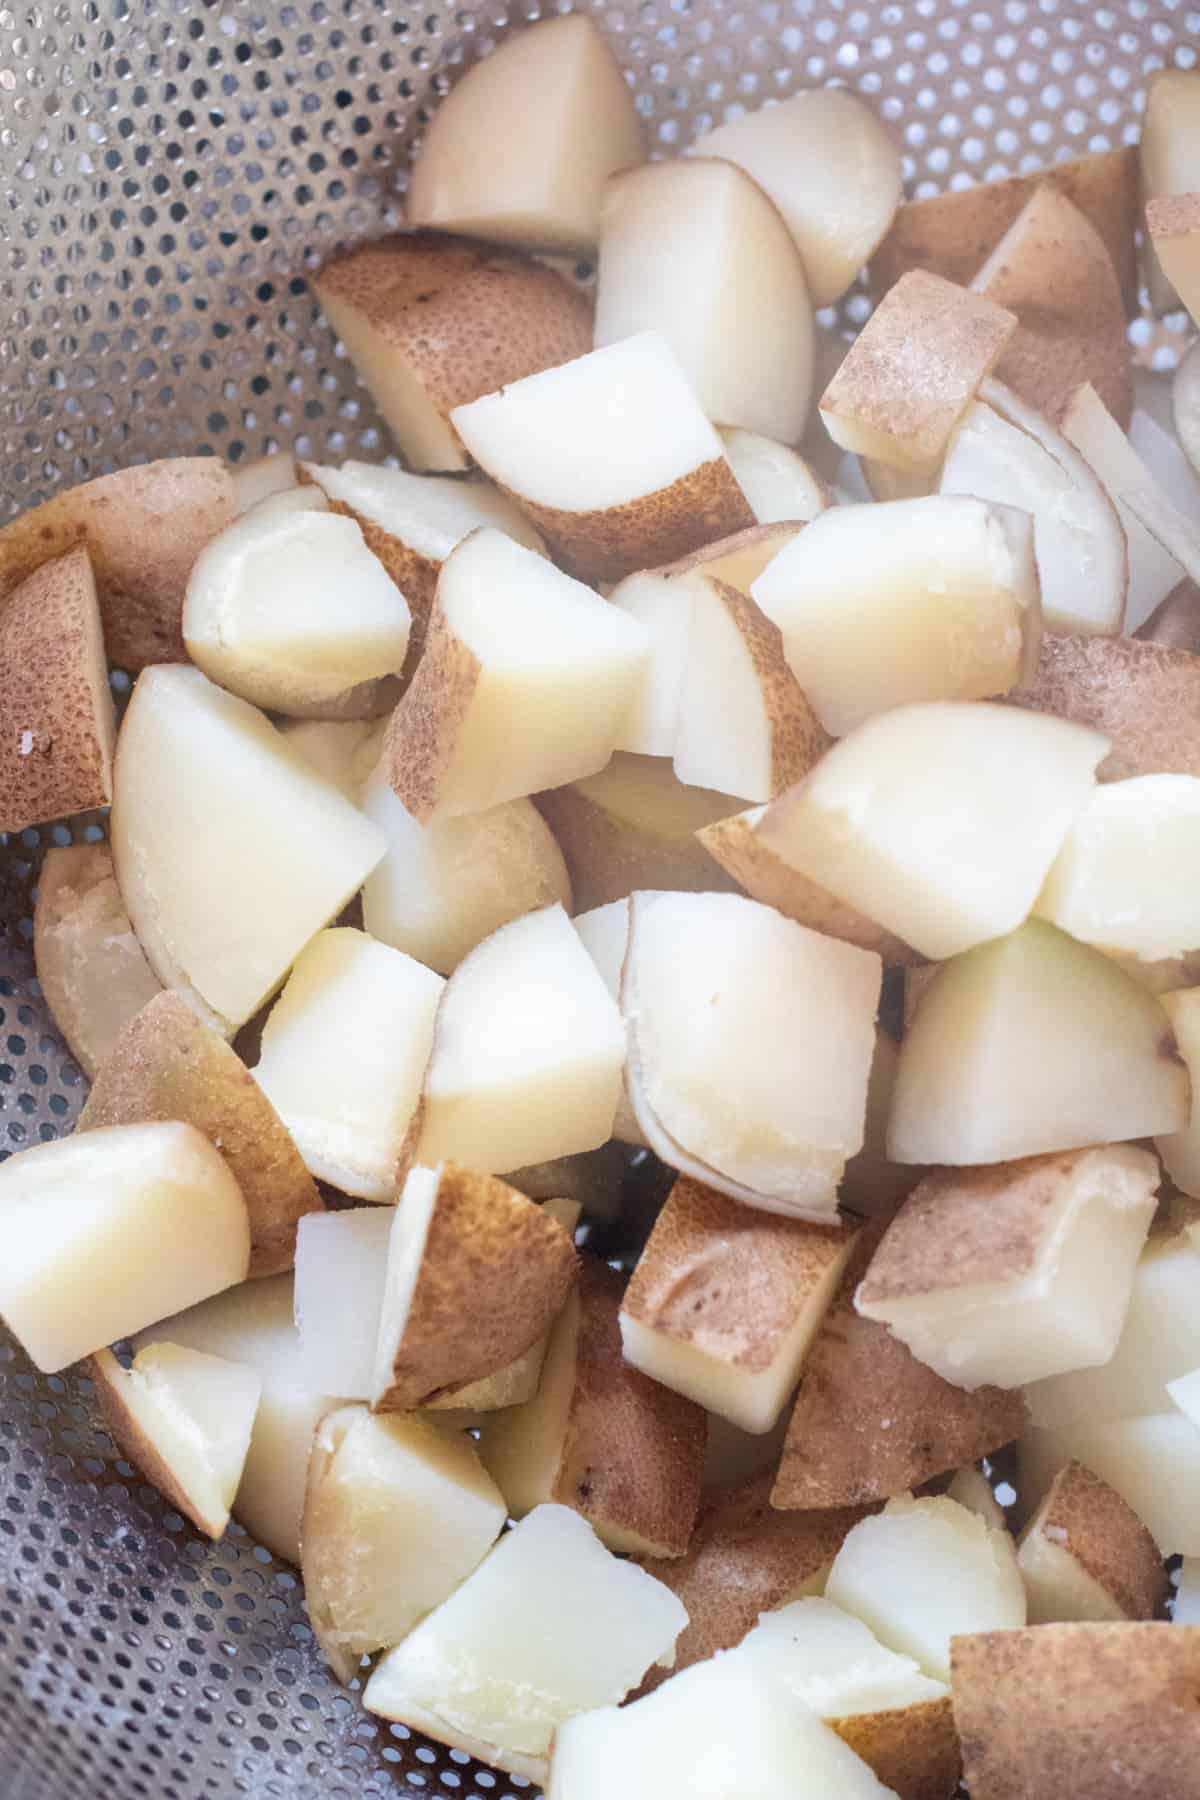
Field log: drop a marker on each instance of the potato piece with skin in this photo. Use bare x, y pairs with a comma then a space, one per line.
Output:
871, 1421
398, 1514
604, 934
721, 998
633, 826
342, 751
611, 457
988, 1065
168, 1064
909, 600
735, 844
108, 1232
143, 528
1180, 1150
430, 322
1081, 1711
184, 1419
1016, 1272
476, 1273
344, 1054
972, 1489
1176, 622
914, 370
545, 1084
744, 1560
831, 168
445, 886
263, 477
550, 1624
775, 479
59, 729
725, 1301
1170, 162
1085, 1554
546, 190
922, 1572
1144, 697
92, 970
601, 1437
341, 1266
524, 683
939, 820
693, 249
1152, 1460
213, 823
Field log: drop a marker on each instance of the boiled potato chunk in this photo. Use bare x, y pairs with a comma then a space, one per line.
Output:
930, 599
1170, 160
263, 477
185, 1420
108, 1232
1010, 1274
612, 458
923, 1571
726, 1299
344, 1054
1142, 695
989, 1069
524, 684
972, 1489
940, 820
1085, 1554
777, 482
527, 1053
1180, 1150
551, 1624
1173, 223
342, 751
341, 1265
289, 609
750, 1045
398, 1515
693, 249
767, 1744
229, 851
445, 886
1152, 1460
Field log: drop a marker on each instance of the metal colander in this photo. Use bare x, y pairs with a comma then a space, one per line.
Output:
170, 170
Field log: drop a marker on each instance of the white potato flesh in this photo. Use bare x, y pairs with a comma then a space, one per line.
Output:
1152, 1460
939, 821
1066, 1308
428, 514
602, 431
1174, 229
445, 886
834, 1663
398, 1515
604, 933
555, 669
290, 609
1170, 158
1180, 1150
194, 1414
527, 1053
776, 481
693, 249
663, 608
342, 751
341, 1266
523, 1450
989, 1068
1128, 875
972, 1489
106, 1233
907, 600
264, 476
551, 1624
831, 168
254, 1324
1078, 538
554, 99
923, 1571
1185, 1392
1187, 1593
230, 852
344, 1054
1058, 1587
750, 1046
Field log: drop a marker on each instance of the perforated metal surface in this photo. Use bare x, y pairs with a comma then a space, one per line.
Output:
170, 170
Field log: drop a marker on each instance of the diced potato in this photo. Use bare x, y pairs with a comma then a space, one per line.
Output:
599, 1436
342, 751
931, 599
184, 1419
604, 934
528, 1051
229, 851
341, 1266
989, 1068
1170, 160
344, 1054
1152, 1460
107, 1232
750, 1044
1143, 696
549, 1625
1013, 1273
262, 478
924, 1571
1086, 1555
973, 1490
939, 820
612, 458
725, 1301
398, 1515
775, 479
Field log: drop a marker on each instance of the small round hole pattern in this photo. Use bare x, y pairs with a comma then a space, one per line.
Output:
173, 169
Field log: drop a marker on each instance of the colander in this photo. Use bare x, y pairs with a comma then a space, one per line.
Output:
171, 170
